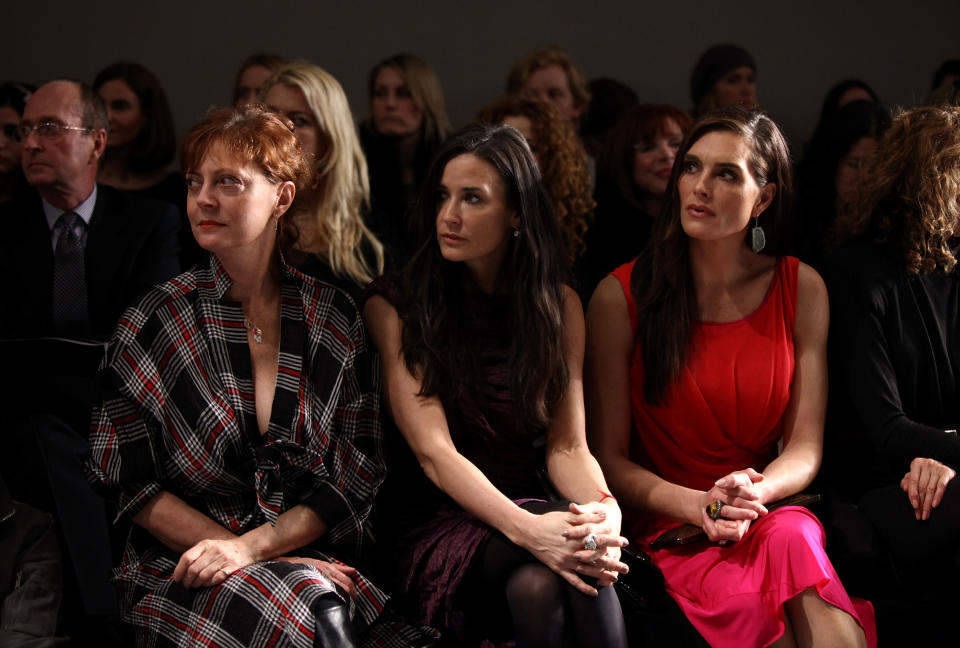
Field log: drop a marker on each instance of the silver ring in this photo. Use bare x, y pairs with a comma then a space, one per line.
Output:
590, 542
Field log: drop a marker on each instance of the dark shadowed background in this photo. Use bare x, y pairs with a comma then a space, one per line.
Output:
194, 47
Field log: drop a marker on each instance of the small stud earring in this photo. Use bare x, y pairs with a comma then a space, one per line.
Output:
516, 232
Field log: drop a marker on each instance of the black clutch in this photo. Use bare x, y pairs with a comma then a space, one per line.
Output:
690, 533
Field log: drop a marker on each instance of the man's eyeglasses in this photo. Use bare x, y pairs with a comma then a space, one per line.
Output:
48, 130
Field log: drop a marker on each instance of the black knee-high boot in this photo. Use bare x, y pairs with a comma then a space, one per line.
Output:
333, 626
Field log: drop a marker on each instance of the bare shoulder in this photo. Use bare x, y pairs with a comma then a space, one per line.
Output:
608, 321
811, 291
608, 300
813, 308
382, 323
572, 306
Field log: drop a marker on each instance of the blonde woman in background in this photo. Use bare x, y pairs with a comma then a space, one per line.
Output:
327, 222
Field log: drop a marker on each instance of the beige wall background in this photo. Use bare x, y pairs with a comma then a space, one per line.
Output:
195, 47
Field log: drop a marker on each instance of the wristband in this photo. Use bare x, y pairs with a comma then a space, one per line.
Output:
606, 495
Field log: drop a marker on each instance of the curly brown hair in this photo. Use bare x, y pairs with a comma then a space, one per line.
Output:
910, 199
562, 160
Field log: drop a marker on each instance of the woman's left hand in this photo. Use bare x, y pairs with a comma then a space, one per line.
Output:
602, 563
209, 562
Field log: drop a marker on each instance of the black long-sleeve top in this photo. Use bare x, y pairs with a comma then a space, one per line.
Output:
898, 342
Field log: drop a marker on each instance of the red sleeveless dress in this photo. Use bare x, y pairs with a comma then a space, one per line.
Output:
722, 414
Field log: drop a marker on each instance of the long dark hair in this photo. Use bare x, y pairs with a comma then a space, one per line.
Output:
817, 174
434, 309
155, 145
662, 279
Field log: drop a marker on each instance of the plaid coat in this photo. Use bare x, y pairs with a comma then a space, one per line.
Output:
178, 415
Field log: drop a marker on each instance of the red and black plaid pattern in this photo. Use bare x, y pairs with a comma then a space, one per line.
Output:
178, 414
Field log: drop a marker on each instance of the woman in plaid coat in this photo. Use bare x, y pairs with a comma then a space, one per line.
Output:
239, 427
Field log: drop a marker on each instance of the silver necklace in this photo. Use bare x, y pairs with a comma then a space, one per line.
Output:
253, 328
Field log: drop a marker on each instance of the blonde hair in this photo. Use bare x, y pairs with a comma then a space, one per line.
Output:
425, 90
341, 191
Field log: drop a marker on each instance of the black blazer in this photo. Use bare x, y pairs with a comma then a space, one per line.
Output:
131, 246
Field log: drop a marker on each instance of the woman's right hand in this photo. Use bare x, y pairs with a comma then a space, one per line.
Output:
925, 485
544, 538
342, 575
741, 505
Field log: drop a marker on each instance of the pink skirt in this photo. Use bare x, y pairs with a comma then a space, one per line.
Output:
734, 594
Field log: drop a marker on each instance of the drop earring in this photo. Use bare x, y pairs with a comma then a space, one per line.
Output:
758, 239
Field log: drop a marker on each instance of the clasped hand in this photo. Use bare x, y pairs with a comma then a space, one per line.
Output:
558, 542
741, 505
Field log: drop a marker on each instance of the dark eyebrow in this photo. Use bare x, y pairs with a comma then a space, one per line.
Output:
471, 189
728, 165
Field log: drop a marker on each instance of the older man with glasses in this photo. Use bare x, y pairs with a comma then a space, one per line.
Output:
78, 254
73, 256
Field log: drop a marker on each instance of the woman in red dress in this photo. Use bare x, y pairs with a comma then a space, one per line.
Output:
718, 352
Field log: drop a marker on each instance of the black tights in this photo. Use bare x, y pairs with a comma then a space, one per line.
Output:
545, 609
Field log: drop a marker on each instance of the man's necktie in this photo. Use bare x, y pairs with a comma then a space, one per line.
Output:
69, 281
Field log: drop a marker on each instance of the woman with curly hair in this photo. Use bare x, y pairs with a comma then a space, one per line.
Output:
327, 221
897, 297
562, 162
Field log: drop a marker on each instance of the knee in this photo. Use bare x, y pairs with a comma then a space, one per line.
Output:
789, 529
534, 582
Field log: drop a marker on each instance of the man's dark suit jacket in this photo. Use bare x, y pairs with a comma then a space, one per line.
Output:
131, 245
